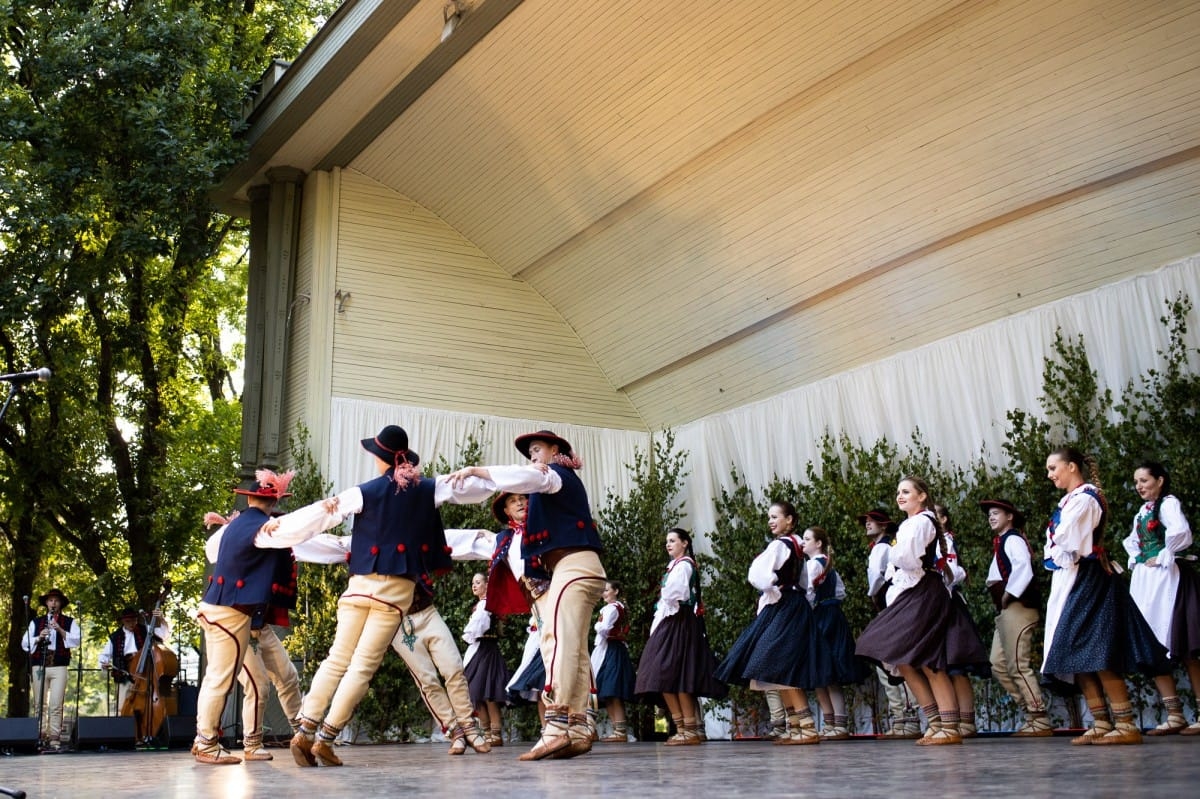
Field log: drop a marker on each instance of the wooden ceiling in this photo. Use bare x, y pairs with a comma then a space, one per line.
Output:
725, 200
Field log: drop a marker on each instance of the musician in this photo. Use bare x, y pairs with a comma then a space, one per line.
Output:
49, 640
122, 647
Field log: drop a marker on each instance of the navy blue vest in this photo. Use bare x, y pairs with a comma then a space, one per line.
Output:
399, 532
61, 656
825, 592
243, 573
560, 520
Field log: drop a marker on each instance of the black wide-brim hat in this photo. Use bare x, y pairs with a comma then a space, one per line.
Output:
1007, 507
390, 442
128, 613
524, 441
874, 516
54, 592
498, 506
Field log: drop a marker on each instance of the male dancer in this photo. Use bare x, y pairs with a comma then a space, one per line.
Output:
560, 542
1017, 598
239, 595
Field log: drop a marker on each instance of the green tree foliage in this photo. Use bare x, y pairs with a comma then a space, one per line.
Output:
115, 121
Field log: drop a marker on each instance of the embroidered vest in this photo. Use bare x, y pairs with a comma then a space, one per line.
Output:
399, 532
620, 628
60, 655
787, 576
558, 521
1150, 533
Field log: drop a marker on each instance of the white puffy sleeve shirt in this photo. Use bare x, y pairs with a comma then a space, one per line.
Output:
677, 587
1079, 514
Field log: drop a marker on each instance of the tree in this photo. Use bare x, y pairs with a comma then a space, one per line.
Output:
115, 121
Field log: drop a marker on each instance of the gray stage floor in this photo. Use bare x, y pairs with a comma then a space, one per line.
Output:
984, 767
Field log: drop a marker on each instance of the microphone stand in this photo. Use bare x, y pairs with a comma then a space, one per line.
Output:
78, 677
12, 392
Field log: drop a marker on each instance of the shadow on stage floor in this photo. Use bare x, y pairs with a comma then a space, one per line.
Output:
984, 767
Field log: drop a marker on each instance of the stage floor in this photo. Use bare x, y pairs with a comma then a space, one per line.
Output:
984, 767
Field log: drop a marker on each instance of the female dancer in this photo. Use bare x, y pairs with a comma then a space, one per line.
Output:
835, 642
611, 663
777, 650
965, 652
487, 675
677, 661
1167, 595
910, 633
1094, 632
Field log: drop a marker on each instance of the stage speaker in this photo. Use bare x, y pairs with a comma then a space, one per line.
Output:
105, 732
19, 735
180, 731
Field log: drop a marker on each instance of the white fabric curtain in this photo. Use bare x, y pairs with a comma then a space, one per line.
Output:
432, 433
956, 391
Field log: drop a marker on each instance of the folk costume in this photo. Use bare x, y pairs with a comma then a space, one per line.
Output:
398, 542
778, 650
560, 543
1017, 599
1166, 591
49, 640
911, 630
125, 642
836, 663
266, 661
238, 597
677, 658
615, 678
487, 673
1091, 621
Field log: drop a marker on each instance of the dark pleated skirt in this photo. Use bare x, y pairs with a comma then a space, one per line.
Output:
965, 652
487, 676
1101, 628
835, 646
529, 683
912, 630
677, 660
1185, 618
615, 680
778, 647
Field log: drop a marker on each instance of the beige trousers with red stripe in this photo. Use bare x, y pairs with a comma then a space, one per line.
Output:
267, 662
369, 613
575, 588
427, 647
226, 633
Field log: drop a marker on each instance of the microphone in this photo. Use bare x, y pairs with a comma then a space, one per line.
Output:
26, 598
41, 375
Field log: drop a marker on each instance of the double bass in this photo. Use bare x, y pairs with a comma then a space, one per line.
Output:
152, 673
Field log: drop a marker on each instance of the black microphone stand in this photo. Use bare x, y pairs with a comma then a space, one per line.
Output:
78, 678
12, 392
44, 646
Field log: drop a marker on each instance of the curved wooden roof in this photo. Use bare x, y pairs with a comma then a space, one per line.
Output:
725, 200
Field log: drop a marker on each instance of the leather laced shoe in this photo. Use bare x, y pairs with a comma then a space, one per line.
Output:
323, 751
544, 747
301, 747
216, 757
